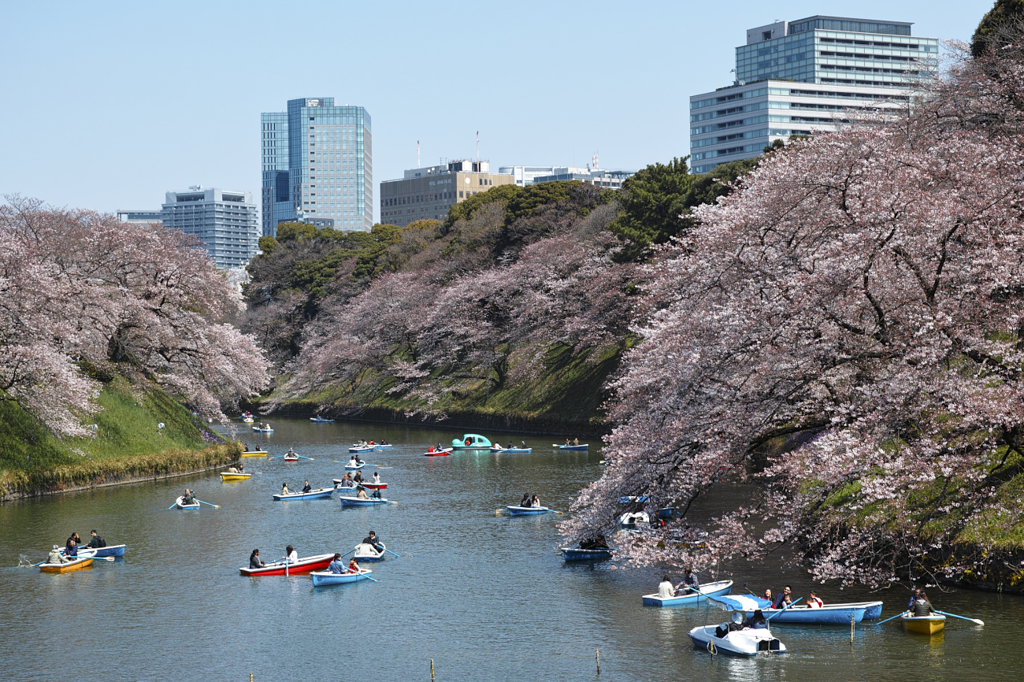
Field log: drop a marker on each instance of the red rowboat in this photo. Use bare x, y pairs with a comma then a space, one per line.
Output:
374, 486
303, 565
438, 453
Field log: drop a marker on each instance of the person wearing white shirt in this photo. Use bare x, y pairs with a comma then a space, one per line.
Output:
292, 557
666, 590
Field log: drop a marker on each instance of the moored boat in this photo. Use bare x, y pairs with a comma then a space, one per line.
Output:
303, 565
634, 519
73, 565
516, 510
324, 578
366, 552
471, 441
924, 625
180, 504
348, 501
709, 590
234, 476
318, 494
577, 554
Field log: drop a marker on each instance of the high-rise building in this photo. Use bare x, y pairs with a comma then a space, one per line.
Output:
428, 193
317, 165
804, 77
225, 222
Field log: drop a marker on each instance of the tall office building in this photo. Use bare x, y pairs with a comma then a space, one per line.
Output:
226, 222
317, 165
428, 193
804, 77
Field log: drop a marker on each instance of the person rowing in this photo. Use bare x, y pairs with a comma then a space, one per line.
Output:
922, 607
291, 556
376, 478
307, 487
284, 489
55, 557
189, 497
690, 583
525, 502
358, 478
96, 542
373, 541
814, 602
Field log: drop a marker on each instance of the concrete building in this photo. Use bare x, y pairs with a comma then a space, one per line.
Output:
141, 217
588, 176
225, 222
804, 77
428, 193
317, 165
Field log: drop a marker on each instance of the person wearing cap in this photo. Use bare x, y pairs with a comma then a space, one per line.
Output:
96, 542
55, 557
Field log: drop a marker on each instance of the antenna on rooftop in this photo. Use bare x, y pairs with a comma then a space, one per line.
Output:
595, 160
478, 149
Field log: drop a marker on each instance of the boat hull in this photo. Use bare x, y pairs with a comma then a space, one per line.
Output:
438, 453
737, 643
356, 449
694, 598
923, 625
581, 446
235, 477
364, 552
353, 467
516, 510
304, 565
831, 614
374, 486
576, 554
75, 565
317, 420
325, 578
319, 494
109, 550
515, 451
356, 502
179, 504
258, 453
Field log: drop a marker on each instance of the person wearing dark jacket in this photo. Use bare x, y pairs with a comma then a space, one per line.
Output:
307, 488
373, 541
96, 542
913, 597
784, 599
71, 546
922, 607
255, 561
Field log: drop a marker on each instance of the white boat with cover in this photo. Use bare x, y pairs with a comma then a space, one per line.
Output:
728, 638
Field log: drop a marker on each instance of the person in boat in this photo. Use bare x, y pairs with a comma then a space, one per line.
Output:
757, 621
361, 493
189, 497
535, 502
307, 487
247, 447
373, 541
813, 602
439, 448
567, 443
430, 449
353, 567
736, 623
376, 494
336, 565
284, 489
359, 460
690, 583
291, 556
666, 590
71, 546
259, 449
55, 557
768, 596
575, 441
358, 478
784, 599
922, 607
913, 597
96, 542
376, 478
525, 502
255, 561
594, 543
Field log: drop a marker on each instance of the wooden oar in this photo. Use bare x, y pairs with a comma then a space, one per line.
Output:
893, 618
976, 621
215, 506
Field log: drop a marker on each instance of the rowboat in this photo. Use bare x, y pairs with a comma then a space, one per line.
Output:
360, 448
350, 465
109, 550
925, 625
180, 504
581, 446
73, 565
254, 453
374, 486
234, 476
512, 451
248, 420
263, 429
471, 441
830, 614
438, 453
291, 458
516, 510
320, 420
634, 519
303, 565
324, 578
366, 552
746, 642
708, 590
318, 494
577, 554
342, 484
347, 501
382, 446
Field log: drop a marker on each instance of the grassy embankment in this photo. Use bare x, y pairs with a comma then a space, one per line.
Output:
565, 397
127, 445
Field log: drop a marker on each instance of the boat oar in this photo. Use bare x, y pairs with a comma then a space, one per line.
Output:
370, 577
348, 552
215, 506
784, 608
173, 505
390, 552
976, 621
304, 457
893, 618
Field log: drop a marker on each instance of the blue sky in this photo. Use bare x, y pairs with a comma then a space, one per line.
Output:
109, 105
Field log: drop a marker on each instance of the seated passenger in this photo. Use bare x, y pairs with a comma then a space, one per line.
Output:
666, 590
353, 567
813, 602
757, 621
55, 557
336, 565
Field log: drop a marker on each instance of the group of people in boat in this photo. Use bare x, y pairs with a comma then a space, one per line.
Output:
689, 585
338, 566
575, 441
189, 497
785, 599
256, 449
919, 605
356, 460
306, 488
529, 501
71, 546
361, 493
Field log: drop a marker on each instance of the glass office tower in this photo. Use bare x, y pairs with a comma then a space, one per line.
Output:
317, 165
805, 77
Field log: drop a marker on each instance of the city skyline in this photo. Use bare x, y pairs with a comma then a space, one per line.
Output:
547, 85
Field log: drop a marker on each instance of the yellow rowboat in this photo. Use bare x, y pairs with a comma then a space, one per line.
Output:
925, 625
227, 476
255, 453
84, 562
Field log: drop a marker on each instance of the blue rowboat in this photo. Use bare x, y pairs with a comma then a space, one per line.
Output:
516, 510
385, 446
318, 494
179, 504
257, 429
355, 466
581, 446
709, 590
109, 550
347, 501
361, 448
576, 554
830, 614
320, 420
365, 552
513, 451
324, 578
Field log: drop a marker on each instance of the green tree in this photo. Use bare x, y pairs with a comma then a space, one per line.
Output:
1004, 20
287, 232
652, 205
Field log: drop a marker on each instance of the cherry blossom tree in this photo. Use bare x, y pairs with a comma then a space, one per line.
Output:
80, 287
855, 311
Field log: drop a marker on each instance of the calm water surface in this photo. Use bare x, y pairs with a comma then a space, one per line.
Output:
485, 597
